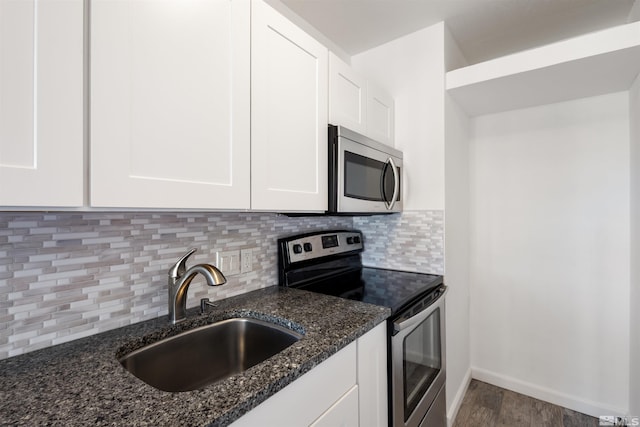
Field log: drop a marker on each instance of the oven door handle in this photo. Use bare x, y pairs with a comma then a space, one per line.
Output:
396, 184
420, 317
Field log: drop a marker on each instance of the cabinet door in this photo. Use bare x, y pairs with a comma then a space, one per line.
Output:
380, 115
288, 115
343, 413
41, 103
170, 104
347, 96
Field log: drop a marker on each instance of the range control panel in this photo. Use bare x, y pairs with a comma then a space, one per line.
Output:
319, 245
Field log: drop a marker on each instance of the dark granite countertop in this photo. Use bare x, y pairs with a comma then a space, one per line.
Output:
82, 383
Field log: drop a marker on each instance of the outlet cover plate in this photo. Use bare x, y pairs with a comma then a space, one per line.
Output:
246, 258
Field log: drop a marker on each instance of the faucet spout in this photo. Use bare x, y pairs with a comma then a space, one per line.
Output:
179, 281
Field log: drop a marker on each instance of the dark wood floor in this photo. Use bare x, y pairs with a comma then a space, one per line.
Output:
485, 405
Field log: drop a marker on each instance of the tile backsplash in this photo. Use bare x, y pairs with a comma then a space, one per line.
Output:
68, 275
64, 276
412, 241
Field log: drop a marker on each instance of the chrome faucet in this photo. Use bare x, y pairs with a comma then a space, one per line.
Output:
179, 280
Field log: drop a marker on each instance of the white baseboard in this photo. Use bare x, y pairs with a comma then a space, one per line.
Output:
454, 407
595, 409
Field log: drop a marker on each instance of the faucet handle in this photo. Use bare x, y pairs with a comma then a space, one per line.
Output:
180, 267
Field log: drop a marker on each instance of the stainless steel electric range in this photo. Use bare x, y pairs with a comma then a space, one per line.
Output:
330, 262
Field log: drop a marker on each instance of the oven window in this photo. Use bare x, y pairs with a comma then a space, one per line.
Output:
422, 361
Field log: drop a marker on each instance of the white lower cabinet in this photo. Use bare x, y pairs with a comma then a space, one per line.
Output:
336, 393
343, 413
309, 397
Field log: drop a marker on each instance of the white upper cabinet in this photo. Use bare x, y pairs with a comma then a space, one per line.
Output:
358, 104
170, 104
347, 96
41, 103
288, 115
380, 115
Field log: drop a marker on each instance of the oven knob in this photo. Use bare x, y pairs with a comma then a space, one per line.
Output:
356, 239
307, 247
349, 240
297, 249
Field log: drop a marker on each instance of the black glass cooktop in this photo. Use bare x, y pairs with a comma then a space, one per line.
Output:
396, 289
388, 288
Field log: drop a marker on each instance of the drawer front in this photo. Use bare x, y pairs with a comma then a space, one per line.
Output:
307, 398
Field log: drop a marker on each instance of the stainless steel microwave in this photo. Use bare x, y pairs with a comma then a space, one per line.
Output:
365, 176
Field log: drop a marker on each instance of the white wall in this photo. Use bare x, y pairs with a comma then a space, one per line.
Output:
412, 69
634, 121
457, 136
550, 252
457, 254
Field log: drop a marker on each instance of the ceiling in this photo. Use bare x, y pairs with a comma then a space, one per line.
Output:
484, 29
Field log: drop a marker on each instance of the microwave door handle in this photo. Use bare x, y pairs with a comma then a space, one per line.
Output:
396, 184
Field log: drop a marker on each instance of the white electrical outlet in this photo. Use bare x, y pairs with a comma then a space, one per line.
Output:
246, 258
228, 262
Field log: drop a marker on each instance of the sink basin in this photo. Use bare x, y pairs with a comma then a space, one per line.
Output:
204, 355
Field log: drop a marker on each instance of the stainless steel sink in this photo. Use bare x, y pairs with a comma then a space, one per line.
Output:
201, 356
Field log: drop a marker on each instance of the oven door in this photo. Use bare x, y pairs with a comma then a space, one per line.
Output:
368, 179
418, 365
